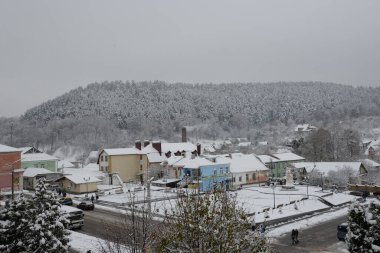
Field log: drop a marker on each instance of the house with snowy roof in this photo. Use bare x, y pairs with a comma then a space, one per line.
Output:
32, 175
10, 163
326, 167
78, 184
32, 157
372, 149
129, 163
277, 163
246, 169
202, 174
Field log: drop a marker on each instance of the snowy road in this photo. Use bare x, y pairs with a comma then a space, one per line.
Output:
319, 238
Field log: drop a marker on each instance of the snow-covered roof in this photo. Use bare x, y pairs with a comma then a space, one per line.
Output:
246, 163
268, 159
304, 128
179, 146
197, 162
165, 180
282, 157
83, 172
65, 164
375, 144
27, 149
78, 179
92, 166
122, 151
326, 167
32, 172
7, 149
156, 157
37, 157
370, 162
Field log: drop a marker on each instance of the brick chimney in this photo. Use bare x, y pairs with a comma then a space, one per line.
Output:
184, 135
157, 146
146, 143
199, 149
138, 144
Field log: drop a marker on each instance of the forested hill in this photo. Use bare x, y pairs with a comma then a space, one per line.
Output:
132, 105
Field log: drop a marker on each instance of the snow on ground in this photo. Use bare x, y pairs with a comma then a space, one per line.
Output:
82, 243
138, 196
305, 223
340, 198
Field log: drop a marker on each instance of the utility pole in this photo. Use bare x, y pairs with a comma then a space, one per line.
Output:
274, 196
13, 190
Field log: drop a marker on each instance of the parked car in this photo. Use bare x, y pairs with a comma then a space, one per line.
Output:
362, 194
66, 201
342, 231
86, 206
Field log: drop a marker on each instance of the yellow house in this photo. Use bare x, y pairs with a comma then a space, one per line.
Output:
128, 163
78, 184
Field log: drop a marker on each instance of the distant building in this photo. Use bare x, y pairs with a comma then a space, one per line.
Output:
132, 163
78, 184
247, 169
32, 175
10, 160
277, 163
34, 158
305, 128
204, 175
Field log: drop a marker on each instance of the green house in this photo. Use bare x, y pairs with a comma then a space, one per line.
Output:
34, 158
277, 163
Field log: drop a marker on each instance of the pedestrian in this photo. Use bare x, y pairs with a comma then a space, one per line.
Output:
296, 235
262, 228
89, 251
96, 196
253, 225
92, 198
293, 236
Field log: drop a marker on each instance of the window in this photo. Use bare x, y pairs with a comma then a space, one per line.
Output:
101, 168
246, 177
42, 165
106, 158
234, 179
101, 158
240, 179
215, 172
254, 176
221, 171
106, 168
226, 169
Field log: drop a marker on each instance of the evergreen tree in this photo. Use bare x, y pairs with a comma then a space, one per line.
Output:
34, 225
14, 221
363, 228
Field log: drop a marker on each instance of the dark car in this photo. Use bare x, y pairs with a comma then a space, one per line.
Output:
86, 206
363, 194
66, 201
342, 231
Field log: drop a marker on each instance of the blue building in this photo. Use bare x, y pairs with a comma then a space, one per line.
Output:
205, 175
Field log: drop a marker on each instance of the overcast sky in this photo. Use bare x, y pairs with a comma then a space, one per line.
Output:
50, 47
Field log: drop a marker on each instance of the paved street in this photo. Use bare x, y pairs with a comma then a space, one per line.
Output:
319, 238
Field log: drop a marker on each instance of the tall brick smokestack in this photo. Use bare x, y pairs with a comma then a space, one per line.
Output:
184, 134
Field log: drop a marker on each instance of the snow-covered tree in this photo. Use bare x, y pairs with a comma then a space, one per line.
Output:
210, 223
14, 221
34, 225
364, 228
